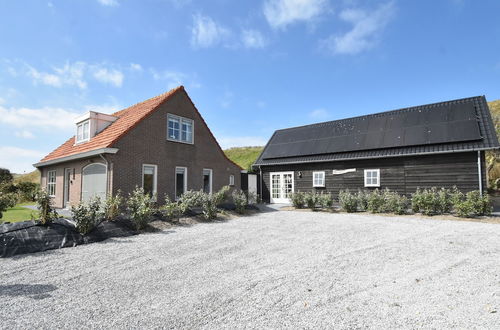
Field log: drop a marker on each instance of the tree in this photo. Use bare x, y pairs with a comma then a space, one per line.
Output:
5, 176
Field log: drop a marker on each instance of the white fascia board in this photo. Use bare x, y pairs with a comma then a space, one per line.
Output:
86, 154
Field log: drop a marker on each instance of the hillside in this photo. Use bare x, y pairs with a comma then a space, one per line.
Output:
28, 177
492, 158
243, 156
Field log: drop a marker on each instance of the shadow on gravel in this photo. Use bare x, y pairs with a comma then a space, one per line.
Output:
34, 291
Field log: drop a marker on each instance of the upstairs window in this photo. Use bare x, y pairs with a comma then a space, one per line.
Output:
83, 131
51, 183
180, 129
372, 178
318, 179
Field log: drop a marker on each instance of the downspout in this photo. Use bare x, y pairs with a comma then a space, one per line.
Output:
479, 172
107, 173
260, 170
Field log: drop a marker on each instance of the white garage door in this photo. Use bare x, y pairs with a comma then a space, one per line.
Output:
94, 181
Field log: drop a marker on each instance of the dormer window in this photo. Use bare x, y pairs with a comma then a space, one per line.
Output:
180, 129
83, 131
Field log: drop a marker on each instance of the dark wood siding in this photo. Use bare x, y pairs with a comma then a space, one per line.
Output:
401, 174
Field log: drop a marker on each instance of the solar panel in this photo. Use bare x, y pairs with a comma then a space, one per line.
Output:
408, 127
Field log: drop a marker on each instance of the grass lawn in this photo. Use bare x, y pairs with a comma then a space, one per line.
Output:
18, 213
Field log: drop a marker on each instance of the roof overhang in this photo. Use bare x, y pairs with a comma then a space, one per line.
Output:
82, 155
257, 165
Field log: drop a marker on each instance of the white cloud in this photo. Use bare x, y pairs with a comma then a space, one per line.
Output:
241, 141
365, 31
318, 114
110, 76
280, 13
175, 78
135, 67
253, 39
24, 134
19, 160
47, 118
71, 74
205, 32
110, 3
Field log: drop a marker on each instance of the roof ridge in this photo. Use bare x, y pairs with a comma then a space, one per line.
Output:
385, 113
165, 94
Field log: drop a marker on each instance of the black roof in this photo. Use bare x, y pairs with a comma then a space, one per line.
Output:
451, 126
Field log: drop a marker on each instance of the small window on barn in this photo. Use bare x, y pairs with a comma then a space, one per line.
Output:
231, 180
318, 179
372, 178
180, 129
51, 183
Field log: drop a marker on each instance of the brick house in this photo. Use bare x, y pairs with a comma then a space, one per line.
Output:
162, 144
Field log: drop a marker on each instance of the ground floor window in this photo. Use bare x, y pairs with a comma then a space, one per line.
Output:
149, 179
318, 179
372, 178
180, 181
207, 180
231, 180
51, 183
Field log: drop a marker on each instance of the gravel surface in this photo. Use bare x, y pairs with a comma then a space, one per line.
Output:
271, 270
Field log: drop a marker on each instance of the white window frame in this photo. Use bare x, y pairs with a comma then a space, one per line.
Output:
80, 139
51, 185
155, 177
211, 176
376, 170
319, 185
231, 180
180, 121
185, 180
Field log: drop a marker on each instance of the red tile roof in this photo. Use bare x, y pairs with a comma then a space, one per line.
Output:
127, 119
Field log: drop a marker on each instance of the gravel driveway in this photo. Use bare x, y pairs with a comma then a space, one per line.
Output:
270, 270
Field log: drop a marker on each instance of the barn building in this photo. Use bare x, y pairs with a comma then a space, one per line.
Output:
434, 145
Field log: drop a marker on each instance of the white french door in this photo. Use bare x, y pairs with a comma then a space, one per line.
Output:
281, 186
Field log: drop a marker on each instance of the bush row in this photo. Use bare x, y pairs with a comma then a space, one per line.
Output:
141, 207
431, 201
312, 200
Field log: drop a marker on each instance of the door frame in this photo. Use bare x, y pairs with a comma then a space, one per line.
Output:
66, 186
281, 199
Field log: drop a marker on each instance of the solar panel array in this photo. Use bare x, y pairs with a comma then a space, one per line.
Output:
443, 123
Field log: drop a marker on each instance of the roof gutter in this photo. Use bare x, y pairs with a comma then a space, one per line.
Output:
374, 157
87, 154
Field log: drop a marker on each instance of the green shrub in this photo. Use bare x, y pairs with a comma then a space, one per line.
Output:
394, 203
464, 209
27, 191
375, 202
112, 206
208, 202
311, 200
362, 198
427, 201
172, 210
87, 215
240, 201
348, 201
325, 200
140, 207
44, 205
444, 201
456, 196
298, 200
6, 201
480, 205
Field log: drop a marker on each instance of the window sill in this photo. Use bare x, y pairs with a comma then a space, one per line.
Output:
178, 141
